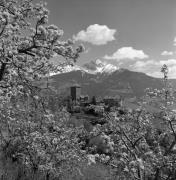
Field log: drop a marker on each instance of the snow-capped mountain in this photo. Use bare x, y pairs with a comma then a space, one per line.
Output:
121, 82
101, 79
99, 66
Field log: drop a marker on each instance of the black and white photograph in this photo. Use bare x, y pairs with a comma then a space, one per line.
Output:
87, 89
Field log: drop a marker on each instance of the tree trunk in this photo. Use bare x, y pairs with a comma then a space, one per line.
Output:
2, 70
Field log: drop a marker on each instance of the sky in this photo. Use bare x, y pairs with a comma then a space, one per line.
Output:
139, 35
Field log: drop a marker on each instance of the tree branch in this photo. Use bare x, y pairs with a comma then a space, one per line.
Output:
174, 141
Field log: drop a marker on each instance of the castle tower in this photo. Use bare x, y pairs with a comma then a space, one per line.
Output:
75, 92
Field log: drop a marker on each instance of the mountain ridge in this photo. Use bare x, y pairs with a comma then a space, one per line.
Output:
92, 67
121, 82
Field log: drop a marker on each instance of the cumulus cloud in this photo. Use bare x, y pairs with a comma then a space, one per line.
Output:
144, 66
152, 67
127, 53
167, 53
169, 62
96, 34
